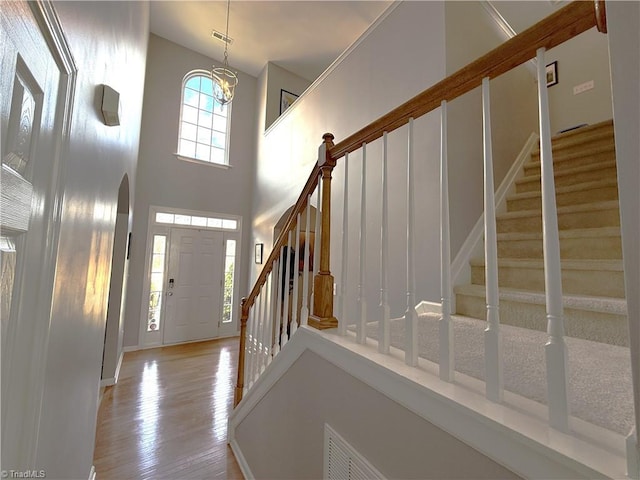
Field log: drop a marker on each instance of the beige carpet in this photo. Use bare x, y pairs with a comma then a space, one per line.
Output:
600, 390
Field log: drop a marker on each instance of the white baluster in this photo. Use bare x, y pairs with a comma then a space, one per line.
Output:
492, 336
316, 244
258, 349
259, 307
633, 455
447, 359
269, 336
361, 329
255, 340
410, 316
304, 312
555, 349
264, 344
384, 339
279, 294
287, 285
261, 315
342, 324
249, 349
247, 360
294, 303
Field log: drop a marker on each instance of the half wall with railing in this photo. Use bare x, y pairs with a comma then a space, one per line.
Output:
296, 286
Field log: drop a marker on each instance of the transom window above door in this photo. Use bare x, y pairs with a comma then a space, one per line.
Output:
196, 221
204, 123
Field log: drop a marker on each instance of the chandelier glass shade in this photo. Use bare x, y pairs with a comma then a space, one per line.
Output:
224, 80
224, 84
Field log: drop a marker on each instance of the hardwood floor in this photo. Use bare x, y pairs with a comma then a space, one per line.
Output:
167, 416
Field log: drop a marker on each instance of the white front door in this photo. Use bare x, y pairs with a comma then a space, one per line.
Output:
194, 285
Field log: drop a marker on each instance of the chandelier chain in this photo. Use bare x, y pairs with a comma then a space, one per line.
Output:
226, 36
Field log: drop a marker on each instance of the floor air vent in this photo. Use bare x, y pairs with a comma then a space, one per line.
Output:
343, 462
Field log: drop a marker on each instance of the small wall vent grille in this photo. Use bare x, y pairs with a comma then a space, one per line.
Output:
222, 37
343, 462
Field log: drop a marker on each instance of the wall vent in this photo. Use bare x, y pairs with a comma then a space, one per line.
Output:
222, 37
343, 462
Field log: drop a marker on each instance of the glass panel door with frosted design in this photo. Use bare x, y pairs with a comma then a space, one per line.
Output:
158, 262
229, 281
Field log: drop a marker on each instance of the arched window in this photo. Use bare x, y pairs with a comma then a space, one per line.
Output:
204, 123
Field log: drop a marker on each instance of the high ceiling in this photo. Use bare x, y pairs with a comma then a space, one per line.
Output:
304, 37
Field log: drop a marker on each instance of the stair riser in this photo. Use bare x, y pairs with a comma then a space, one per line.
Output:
568, 160
566, 221
594, 248
533, 185
595, 326
599, 194
574, 282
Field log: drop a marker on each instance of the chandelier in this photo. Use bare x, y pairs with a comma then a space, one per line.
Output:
224, 80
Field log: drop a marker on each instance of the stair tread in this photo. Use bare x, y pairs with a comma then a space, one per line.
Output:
589, 131
586, 140
583, 207
579, 264
572, 233
565, 156
570, 171
612, 305
576, 187
605, 124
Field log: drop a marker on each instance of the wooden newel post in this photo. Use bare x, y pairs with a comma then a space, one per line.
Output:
244, 316
322, 316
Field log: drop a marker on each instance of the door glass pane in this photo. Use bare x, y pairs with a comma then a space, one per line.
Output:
230, 224
182, 219
199, 221
164, 218
158, 257
227, 300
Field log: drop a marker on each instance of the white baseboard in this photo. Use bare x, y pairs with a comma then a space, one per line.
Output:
428, 307
131, 348
117, 374
159, 345
107, 382
92, 473
460, 270
242, 462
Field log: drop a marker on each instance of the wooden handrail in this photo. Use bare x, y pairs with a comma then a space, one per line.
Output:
566, 23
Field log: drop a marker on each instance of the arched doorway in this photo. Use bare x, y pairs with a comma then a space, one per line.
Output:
296, 256
112, 354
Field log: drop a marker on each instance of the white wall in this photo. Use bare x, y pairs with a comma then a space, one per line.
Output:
470, 33
362, 87
581, 59
108, 41
164, 180
282, 437
278, 79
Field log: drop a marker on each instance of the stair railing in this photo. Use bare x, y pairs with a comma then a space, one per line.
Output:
280, 300
262, 342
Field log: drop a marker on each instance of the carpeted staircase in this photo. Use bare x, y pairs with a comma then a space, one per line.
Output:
590, 244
